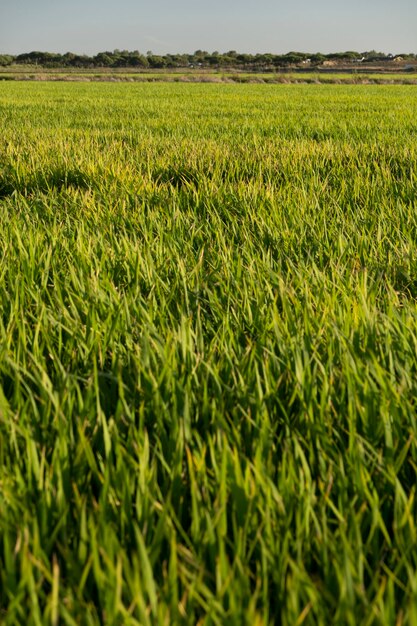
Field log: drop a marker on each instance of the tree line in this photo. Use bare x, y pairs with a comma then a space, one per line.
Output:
200, 58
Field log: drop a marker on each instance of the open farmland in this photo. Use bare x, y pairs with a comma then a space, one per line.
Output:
208, 354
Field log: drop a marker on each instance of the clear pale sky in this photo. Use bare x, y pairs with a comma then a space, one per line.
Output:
163, 26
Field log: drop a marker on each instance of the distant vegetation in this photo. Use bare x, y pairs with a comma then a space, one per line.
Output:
200, 58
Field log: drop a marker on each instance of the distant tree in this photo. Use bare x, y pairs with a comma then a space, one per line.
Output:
6, 59
68, 59
373, 55
230, 59
317, 58
46, 59
177, 60
350, 54
103, 59
244, 59
263, 60
170, 61
212, 59
82, 61
156, 61
138, 60
292, 58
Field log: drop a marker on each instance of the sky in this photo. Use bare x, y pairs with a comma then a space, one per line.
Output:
172, 26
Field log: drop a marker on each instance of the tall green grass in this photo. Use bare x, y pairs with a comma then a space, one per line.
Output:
208, 354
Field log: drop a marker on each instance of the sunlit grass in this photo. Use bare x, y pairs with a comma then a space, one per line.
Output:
208, 370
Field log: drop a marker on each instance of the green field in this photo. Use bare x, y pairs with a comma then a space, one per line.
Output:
208, 354
204, 75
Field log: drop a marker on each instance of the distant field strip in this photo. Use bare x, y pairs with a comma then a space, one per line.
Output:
208, 354
31, 73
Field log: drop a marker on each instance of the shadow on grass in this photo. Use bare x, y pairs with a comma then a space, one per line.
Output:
178, 177
56, 180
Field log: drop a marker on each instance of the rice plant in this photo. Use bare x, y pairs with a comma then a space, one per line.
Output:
208, 354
